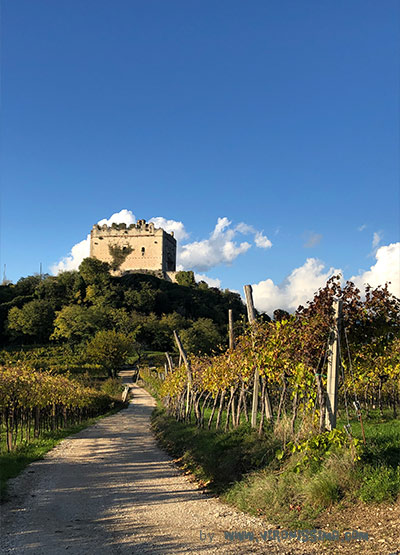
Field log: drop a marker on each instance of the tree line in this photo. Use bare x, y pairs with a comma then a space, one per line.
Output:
88, 312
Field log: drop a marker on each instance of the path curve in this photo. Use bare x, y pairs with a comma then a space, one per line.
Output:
110, 490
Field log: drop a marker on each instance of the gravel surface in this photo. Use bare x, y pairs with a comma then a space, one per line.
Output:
110, 489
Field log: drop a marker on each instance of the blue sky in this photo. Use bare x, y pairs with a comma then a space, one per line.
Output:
283, 115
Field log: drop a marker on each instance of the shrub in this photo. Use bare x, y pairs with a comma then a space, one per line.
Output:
112, 387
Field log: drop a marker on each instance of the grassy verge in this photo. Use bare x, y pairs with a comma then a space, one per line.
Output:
244, 470
218, 459
12, 464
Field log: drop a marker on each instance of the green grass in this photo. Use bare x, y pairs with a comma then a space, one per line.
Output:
382, 436
216, 458
12, 464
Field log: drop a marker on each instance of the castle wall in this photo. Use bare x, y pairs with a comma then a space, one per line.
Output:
148, 248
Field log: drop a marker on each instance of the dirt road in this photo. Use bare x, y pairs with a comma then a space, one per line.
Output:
111, 490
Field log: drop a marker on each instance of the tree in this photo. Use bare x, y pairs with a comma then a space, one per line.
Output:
97, 278
34, 319
76, 322
61, 290
185, 278
202, 337
143, 299
27, 285
94, 271
110, 349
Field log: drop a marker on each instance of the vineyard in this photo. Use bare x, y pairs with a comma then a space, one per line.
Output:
269, 450
290, 356
34, 403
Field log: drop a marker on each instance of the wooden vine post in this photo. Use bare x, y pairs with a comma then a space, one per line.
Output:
231, 336
183, 355
231, 404
251, 317
170, 363
333, 368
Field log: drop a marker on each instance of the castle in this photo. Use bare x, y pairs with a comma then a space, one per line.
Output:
139, 247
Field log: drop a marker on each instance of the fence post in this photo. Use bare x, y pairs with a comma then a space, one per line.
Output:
231, 336
333, 368
183, 355
248, 291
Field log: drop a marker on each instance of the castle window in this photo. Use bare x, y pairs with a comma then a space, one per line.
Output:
143, 251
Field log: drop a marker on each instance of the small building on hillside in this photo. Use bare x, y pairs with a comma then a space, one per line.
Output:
139, 247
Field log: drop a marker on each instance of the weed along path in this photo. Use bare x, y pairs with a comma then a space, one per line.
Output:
110, 489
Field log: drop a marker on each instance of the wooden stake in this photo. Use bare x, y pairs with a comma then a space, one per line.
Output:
231, 336
170, 363
251, 316
248, 291
333, 369
182, 353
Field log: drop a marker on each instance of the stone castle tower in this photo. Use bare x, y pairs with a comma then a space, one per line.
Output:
137, 247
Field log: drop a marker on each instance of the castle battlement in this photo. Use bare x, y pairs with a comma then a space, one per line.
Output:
140, 227
134, 247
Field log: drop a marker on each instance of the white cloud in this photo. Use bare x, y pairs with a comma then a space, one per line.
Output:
74, 258
178, 228
387, 268
297, 288
261, 241
244, 228
212, 282
218, 249
303, 282
122, 217
362, 227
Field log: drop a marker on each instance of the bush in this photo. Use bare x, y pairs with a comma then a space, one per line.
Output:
112, 387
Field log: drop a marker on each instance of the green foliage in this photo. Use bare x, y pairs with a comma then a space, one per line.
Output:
94, 271
34, 319
27, 285
315, 449
202, 337
151, 381
112, 387
97, 279
185, 278
110, 349
61, 290
142, 299
76, 322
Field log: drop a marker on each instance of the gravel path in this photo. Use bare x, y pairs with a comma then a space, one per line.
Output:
110, 489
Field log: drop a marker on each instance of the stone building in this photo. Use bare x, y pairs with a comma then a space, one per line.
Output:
139, 247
